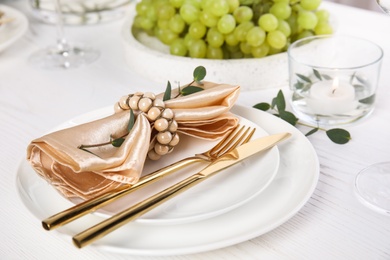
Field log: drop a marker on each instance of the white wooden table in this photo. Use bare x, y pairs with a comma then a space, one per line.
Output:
332, 225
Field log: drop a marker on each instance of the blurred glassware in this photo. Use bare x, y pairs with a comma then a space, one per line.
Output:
80, 11
63, 55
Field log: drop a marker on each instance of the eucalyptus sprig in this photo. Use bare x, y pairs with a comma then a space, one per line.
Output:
199, 74
278, 105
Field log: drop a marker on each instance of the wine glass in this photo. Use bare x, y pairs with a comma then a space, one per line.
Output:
63, 55
373, 183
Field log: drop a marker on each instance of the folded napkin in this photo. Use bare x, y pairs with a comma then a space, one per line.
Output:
75, 172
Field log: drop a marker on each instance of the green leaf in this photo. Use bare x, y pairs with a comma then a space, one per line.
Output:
312, 131
368, 100
273, 103
167, 93
199, 73
118, 142
338, 135
288, 117
131, 121
317, 74
299, 85
280, 102
304, 78
327, 77
190, 90
358, 87
262, 106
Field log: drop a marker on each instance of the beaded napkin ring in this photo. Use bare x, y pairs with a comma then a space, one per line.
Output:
161, 118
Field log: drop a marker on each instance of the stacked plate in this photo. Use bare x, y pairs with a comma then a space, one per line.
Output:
243, 202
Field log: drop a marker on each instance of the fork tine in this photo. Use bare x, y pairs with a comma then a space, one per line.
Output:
224, 140
235, 141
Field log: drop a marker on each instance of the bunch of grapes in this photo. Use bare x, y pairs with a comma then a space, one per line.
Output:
230, 29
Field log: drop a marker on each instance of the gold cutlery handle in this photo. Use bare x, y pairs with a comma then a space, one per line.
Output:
103, 228
91, 205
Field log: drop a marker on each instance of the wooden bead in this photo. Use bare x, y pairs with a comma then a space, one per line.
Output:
150, 95
123, 102
161, 124
133, 103
153, 155
175, 140
145, 104
153, 113
117, 107
173, 126
167, 113
161, 149
158, 103
164, 137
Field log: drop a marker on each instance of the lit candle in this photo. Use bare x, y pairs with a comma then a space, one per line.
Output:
331, 97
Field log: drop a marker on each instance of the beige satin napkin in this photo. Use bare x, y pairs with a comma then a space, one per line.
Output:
78, 173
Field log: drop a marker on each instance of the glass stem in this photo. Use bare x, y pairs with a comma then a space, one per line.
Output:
62, 43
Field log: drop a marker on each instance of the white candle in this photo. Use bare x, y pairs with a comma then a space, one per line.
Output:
331, 97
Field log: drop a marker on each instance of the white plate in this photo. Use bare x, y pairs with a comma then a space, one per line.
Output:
295, 182
219, 194
12, 31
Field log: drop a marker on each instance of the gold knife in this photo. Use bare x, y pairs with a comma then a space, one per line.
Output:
240, 153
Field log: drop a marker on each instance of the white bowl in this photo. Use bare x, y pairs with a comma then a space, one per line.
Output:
150, 58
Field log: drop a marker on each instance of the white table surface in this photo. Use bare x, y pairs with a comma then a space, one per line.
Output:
332, 224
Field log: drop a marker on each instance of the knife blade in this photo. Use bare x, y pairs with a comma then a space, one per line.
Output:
242, 152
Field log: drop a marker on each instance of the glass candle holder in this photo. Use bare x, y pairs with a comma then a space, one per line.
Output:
333, 79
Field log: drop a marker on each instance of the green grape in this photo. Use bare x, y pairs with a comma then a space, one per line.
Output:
243, 14
167, 36
232, 49
276, 39
219, 7
226, 24
151, 14
307, 20
233, 5
188, 40
166, 12
292, 21
176, 3
176, 24
260, 51
236, 55
214, 53
231, 40
178, 47
281, 10
284, 27
206, 4
197, 30
197, 49
146, 23
268, 22
245, 48
322, 15
281, 1
323, 28
163, 24
255, 36
304, 34
143, 8
196, 3
208, 18
310, 4
242, 29
215, 38
189, 13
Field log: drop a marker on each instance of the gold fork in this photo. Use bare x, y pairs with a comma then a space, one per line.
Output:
235, 138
